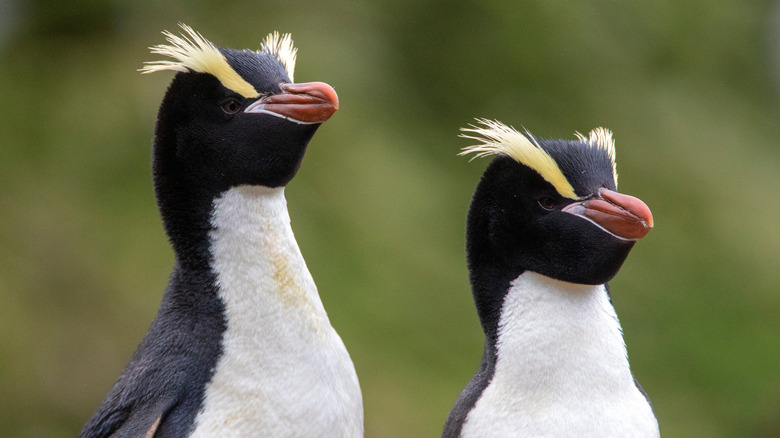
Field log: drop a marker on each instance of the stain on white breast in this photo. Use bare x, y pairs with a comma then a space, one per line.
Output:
285, 371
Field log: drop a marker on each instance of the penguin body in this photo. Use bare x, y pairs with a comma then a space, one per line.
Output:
546, 232
299, 345
241, 345
558, 343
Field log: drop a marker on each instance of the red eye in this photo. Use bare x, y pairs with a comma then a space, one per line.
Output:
547, 203
231, 106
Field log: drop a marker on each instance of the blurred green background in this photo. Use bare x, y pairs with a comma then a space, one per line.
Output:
690, 89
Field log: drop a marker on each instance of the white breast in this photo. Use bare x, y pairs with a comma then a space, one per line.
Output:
285, 371
562, 368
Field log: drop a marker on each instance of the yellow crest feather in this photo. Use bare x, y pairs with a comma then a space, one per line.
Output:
499, 139
281, 46
192, 52
601, 138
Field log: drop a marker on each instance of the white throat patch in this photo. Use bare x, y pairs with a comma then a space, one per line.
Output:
284, 371
562, 368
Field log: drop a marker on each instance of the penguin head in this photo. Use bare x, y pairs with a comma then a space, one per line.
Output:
550, 206
234, 117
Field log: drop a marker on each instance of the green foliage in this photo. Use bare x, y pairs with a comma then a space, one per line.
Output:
379, 205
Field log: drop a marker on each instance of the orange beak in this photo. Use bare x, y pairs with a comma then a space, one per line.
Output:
621, 215
306, 103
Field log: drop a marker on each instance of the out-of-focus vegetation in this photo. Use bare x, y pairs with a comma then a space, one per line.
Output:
689, 88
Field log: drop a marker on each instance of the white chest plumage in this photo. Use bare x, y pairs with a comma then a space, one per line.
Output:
562, 368
284, 371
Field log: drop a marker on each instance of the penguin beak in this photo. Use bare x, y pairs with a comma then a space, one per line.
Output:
623, 216
306, 103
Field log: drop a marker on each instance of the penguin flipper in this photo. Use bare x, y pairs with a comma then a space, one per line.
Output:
128, 420
105, 422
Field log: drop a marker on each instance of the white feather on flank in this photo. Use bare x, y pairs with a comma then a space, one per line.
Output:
281, 46
499, 139
193, 52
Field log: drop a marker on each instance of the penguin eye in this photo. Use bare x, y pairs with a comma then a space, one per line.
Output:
547, 203
231, 106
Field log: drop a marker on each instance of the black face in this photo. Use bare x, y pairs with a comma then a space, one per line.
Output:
206, 144
205, 140
516, 224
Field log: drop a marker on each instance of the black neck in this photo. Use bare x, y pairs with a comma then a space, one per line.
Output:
185, 207
490, 273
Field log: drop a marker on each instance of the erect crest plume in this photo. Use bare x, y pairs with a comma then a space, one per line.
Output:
500, 139
281, 46
497, 138
601, 138
192, 52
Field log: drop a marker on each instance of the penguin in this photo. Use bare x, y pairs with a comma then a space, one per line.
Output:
546, 230
241, 345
